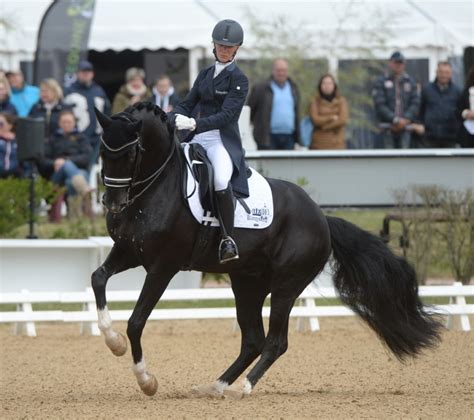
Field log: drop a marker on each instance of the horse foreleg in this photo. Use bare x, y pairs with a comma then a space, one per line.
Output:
276, 343
115, 262
250, 293
153, 288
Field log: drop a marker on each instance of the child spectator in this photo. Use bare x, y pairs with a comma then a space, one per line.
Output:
329, 115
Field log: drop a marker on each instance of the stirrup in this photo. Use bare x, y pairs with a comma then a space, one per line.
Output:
228, 250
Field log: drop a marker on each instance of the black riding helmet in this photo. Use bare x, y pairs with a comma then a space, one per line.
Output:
228, 32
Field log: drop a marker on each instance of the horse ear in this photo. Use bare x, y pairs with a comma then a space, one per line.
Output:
103, 119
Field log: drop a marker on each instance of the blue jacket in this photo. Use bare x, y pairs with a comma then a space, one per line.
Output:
83, 99
23, 99
438, 111
216, 103
384, 95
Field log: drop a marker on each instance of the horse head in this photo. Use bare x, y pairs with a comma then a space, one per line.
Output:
131, 146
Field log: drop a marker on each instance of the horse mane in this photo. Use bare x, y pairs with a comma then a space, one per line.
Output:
149, 107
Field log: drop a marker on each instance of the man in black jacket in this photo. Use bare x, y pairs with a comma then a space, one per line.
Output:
438, 109
396, 102
274, 110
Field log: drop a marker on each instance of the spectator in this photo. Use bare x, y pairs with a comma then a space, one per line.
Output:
133, 91
163, 94
396, 101
67, 157
9, 165
465, 111
329, 115
439, 100
5, 104
274, 110
49, 106
23, 96
84, 94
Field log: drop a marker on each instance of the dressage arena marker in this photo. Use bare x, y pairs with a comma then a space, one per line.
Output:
24, 318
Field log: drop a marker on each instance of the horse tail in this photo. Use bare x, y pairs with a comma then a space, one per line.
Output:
382, 289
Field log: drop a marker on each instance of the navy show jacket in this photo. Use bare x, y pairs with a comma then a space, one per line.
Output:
216, 103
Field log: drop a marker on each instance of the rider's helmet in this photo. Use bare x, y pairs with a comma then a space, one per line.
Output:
228, 32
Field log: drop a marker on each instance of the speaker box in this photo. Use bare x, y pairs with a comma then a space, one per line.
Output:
30, 138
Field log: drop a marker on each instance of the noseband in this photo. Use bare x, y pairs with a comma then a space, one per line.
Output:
131, 182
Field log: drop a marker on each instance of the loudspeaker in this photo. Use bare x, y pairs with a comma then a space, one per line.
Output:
30, 138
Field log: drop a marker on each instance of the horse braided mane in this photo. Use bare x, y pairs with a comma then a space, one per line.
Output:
149, 107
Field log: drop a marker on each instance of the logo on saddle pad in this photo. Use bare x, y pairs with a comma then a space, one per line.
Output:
256, 213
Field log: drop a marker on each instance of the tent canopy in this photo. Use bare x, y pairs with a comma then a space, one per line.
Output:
155, 24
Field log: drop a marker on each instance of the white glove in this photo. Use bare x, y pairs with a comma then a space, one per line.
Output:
184, 123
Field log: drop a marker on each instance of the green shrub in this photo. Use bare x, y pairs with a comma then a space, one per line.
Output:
14, 200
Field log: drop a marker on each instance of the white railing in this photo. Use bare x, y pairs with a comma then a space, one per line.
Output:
306, 310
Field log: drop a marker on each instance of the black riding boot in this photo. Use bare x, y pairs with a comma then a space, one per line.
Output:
225, 202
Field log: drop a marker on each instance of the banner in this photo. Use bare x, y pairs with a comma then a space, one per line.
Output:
62, 40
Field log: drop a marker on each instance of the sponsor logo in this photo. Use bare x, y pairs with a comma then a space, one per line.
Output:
259, 214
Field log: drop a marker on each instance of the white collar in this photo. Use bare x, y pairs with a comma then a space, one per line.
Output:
221, 66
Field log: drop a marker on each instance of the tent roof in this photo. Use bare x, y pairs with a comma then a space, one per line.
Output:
154, 24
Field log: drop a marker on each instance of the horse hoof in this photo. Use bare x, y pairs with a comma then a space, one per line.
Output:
117, 344
214, 390
238, 390
150, 386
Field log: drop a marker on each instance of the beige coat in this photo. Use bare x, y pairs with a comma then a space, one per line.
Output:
329, 131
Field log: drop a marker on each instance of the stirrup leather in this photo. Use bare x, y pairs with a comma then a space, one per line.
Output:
228, 250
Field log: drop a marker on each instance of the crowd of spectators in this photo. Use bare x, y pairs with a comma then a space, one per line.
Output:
72, 133
439, 114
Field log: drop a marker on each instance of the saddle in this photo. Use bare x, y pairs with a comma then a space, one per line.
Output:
203, 172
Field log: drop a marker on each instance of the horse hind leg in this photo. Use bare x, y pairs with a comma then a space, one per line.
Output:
250, 292
276, 344
116, 262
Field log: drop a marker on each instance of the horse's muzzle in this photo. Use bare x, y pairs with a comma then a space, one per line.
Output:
113, 207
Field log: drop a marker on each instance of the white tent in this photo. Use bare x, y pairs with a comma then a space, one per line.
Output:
428, 29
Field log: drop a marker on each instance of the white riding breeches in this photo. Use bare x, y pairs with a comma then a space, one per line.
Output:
219, 157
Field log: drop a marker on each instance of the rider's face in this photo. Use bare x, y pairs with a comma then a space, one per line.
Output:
225, 53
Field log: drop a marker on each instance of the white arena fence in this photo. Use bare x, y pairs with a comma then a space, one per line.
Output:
306, 310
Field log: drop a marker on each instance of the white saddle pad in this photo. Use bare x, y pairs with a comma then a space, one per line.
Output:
260, 202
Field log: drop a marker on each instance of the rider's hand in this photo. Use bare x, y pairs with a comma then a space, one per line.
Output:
184, 123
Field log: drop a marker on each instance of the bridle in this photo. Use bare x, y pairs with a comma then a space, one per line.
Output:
131, 182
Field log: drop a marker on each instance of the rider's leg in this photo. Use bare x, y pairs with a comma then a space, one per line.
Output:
223, 168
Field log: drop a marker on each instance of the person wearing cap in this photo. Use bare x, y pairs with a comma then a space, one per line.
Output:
211, 112
396, 102
274, 106
85, 94
133, 91
23, 96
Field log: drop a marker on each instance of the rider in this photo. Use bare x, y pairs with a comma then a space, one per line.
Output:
212, 109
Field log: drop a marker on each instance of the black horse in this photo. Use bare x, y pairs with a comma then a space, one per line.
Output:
152, 227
